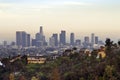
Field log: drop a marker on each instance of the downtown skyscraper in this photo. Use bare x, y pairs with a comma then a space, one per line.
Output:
72, 39
28, 40
96, 40
22, 39
86, 39
55, 36
52, 41
63, 37
39, 39
92, 38
86, 42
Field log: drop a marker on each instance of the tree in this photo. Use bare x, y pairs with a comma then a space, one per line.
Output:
5, 76
22, 78
108, 43
11, 76
6, 63
70, 75
109, 72
34, 78
119, 42
55, 74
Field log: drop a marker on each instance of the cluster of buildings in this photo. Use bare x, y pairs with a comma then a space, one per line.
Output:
57, 44
23, 39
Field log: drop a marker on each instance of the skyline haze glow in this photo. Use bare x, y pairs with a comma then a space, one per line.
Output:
82, 17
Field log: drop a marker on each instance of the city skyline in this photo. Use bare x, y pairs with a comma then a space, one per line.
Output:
66, 39
23, 39
81, 17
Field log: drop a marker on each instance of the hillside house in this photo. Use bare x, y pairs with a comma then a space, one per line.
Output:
36, 59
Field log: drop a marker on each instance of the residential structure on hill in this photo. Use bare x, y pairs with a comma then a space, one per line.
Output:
36, 59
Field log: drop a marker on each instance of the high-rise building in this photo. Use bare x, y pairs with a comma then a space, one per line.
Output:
28, 40
33, 42
72, 38
92, 38
55, 36
41, 30
86, 39
78, 42
52, 41
19, 38
22, 39
96, 40
40, 38
63, 37
86, 42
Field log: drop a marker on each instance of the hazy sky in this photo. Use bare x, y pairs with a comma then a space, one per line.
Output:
82, 17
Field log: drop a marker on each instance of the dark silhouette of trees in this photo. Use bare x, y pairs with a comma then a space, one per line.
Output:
108, 44
55, 75
75, 66
119, 42
22, 78
6, 63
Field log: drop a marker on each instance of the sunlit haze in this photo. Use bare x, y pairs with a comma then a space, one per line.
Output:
82, 17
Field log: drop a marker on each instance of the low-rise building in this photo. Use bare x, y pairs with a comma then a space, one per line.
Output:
15, 58
36, 59
101, 52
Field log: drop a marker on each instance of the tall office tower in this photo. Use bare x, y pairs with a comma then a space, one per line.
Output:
63, 37
39, 41
96, 40
22, 39
92, 38
40, 38
33, 42
28, 40
72, 38
78, 42
86, 42
52, 41
18, 38
86, 39
55, 36
41, 30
